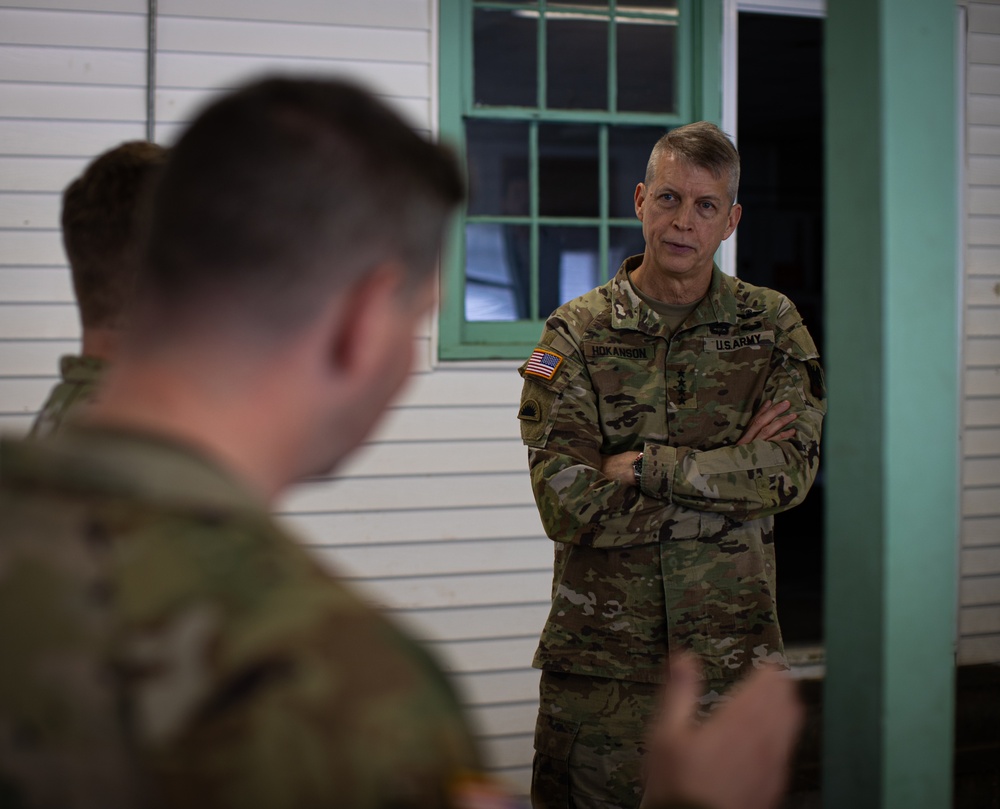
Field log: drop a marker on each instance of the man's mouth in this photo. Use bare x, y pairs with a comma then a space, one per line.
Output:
679, 246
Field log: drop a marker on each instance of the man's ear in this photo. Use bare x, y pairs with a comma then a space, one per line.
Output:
640, 198
361, 330
734, 219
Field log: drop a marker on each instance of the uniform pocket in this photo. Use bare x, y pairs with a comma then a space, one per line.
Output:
550, 776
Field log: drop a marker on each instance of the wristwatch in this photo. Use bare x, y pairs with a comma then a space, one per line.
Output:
637, 469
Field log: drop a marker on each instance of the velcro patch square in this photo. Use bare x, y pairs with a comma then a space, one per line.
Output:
543, 364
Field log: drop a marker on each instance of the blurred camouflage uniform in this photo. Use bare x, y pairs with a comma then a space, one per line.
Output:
80, 376
686, 560
156, 621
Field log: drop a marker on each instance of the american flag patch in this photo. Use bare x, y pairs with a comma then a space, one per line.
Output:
543, 363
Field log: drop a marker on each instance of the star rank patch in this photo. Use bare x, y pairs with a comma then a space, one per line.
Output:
543, 364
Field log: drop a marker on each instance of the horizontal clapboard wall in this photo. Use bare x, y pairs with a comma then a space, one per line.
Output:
433, 519
72, 84
980, 555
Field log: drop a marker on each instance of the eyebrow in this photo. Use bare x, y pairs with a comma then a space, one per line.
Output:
664, 189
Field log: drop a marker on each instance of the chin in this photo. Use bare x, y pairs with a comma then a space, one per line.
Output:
322, 461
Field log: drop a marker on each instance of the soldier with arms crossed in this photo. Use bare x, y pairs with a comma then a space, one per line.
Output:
668, 414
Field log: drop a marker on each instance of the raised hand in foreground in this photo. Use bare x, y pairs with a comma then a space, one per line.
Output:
736, 759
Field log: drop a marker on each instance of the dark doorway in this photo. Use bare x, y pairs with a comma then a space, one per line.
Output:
780, 245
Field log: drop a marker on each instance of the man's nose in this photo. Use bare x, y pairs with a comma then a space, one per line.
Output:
682, 217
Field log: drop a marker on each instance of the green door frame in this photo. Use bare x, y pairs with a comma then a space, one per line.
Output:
892, 441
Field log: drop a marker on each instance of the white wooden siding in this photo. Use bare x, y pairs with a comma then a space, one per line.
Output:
433, 519
202, 48
979, 590
72, 79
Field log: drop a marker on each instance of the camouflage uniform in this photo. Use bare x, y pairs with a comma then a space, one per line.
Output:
685, 560
80, 376
165, 643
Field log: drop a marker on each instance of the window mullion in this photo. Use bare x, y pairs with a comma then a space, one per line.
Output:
533, 168
533, 209
603, 231
603, 237
467, 79
543, 67
683, 61
612, 57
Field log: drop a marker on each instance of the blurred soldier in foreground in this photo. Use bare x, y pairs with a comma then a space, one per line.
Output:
103, 211
165, 642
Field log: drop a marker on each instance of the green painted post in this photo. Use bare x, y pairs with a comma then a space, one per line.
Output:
891, 444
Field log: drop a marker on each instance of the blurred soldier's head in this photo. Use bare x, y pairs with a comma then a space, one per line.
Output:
103, 218
298, 210
284, 192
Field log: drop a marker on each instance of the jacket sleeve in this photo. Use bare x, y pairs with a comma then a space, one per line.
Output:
763, 477
576, 502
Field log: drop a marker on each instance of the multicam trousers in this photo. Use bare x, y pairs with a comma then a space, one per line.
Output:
589, 742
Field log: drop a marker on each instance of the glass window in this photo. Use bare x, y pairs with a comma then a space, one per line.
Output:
506, 58
647, 61
569, 170
555, 106
628, 153
576, 59
497, 167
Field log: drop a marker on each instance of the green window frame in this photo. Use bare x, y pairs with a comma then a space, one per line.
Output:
697, 95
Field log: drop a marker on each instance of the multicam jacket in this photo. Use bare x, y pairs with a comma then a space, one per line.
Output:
165, 643
78, 387
686, 559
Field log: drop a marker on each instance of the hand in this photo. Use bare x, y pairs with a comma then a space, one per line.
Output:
619, 467
768, 424
738, 758
477, 791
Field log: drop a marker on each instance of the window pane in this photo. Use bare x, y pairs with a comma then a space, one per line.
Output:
628, 152
647, 65
505, 59
496, 271
497, 167
622, 243
569, 265
568, 170
577, 63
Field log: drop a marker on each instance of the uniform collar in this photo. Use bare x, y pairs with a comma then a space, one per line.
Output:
628, 311
103, 462
75, 368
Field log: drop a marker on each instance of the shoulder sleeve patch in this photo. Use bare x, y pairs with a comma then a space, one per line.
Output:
530, 411
543, 364
799, 343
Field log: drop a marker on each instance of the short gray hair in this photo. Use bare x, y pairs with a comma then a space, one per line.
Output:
701, 144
